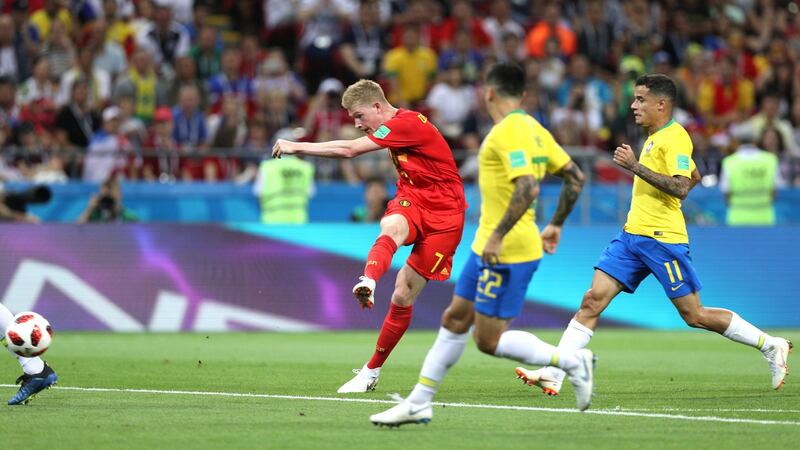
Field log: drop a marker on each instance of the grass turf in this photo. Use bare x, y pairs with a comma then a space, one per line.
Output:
685, 373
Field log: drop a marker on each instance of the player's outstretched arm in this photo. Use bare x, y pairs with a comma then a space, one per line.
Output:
329, 149
570, 191
526, 189
676, 186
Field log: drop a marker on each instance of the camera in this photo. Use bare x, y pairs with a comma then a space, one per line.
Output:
18, 201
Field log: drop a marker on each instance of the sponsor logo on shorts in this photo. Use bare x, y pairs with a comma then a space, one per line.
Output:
404, 203
658, 233
675, 288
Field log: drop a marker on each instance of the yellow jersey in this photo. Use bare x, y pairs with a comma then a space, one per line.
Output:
517, 145
654, 213
414, 71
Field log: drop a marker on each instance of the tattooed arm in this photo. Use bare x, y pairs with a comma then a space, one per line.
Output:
526, 189
676, 186
570, 190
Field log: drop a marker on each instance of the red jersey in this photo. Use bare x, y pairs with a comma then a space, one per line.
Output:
424, 161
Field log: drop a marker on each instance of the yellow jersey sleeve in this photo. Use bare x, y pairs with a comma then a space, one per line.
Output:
678, 155
557, 157
514, 149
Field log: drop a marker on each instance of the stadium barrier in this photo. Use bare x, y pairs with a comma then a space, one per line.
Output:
176, 277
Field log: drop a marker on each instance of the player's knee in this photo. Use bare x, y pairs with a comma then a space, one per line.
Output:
486, 344
402, 295
591, 304
455, 321
693, 318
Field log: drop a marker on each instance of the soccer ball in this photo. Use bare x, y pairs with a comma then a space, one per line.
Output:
29, 334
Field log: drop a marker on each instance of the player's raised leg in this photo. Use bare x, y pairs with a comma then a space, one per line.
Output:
36, 375
407, 287
727, 323
394, 232
445, 352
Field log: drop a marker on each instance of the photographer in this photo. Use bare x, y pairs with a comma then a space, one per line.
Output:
106, 206
14, 205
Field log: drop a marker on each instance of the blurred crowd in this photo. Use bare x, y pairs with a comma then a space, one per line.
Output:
198, 90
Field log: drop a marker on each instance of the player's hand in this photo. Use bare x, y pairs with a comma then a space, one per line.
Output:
624, 157
283, 147
551, 236
491, 252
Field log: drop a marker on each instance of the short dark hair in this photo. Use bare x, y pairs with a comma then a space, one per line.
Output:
659, 84
507, 78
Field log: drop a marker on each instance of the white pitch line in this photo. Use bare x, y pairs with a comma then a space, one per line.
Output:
759, 410
605, 412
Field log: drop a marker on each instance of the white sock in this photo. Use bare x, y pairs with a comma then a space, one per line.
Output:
576, 336
444, 354
527, 348
745, 333
30, 366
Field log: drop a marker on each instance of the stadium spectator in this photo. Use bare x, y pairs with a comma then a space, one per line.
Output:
273, 110
279, 25
451, 102
552, 69
229, 83
500, 26
462, 17
185, 75
99, 80
410, 68
771, 141
551, 27
163, 158
258, 146
59, 50
164, 37
321, 33
462, 53
727, 97
75, 123
206, 53
252, 56
14, 61
120, 30
109, 55
189, 123
108, 150
596, 36
376, 200
425, 14
364, 43
142, 83
42, 20
38, 86
129, 125
769, 116
276, 75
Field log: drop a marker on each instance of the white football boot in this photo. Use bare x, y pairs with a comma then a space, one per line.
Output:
543, 378
403, 413
364, 381
364, 292
582, 379
776, 355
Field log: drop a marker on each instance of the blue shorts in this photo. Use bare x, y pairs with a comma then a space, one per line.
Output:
499, 290
630, 258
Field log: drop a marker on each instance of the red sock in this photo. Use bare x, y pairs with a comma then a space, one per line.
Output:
380, 257
394, 326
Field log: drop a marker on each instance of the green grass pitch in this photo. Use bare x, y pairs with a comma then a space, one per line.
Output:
653, 390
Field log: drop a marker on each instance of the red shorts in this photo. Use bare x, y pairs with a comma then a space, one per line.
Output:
435, 238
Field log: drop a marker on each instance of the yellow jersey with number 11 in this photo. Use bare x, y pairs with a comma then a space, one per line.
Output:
517, 145
654, 213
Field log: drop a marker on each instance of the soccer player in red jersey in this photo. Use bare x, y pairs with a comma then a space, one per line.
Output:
428, 210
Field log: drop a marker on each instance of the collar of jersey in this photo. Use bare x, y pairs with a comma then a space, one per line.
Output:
671, 121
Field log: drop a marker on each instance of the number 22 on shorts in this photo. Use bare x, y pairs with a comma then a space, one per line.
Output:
488, 281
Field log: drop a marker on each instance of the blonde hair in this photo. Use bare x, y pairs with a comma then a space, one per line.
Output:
363, 92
